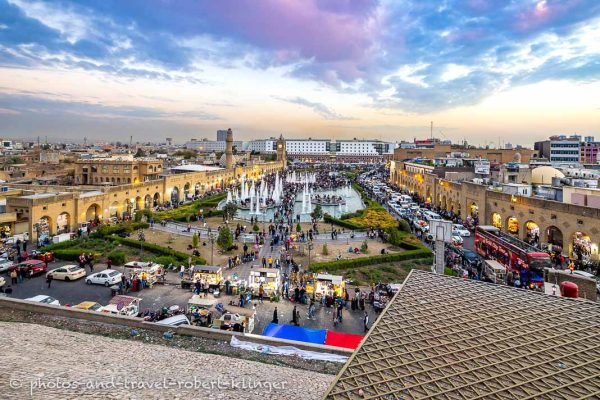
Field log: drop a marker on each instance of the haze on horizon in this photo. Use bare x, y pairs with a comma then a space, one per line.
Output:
482, 70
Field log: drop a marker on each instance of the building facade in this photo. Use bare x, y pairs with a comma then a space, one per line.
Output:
555, 222
496, 156
116, 170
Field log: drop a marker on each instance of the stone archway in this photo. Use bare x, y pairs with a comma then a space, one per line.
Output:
94, 211
531, 231
444, 203
156, 199
473, 209
554, 236
148, 201
63, 222
496, 220
580, 246
512, 226
197, 188
45, 226
139, 203
175, 195
186, 190
115, 209
128, 206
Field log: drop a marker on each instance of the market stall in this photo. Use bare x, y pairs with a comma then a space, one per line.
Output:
329, 285
269, 278
154, 272
199, 311
236, 319
495, 271
211, 275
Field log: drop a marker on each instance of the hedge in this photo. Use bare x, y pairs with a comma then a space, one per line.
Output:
72, 254
159, 250
107, 230
332, 266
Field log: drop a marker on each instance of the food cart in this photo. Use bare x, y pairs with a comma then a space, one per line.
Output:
495, 270
212, 276
153, 270
329, 285
268, 277
198, 310
123, 305
236, 319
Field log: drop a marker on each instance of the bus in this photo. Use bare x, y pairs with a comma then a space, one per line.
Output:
512, 253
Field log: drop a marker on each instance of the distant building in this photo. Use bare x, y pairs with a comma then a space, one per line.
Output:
560, 148
117, 170
221, 135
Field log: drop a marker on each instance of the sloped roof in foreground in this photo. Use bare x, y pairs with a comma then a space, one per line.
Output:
447, 338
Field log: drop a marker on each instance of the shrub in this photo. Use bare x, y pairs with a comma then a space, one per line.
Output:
364, 247
71, 254
332, 266
298, 227
195, 240
325, 250
117, 257
158, 250
166, 260
225, 239
256, 228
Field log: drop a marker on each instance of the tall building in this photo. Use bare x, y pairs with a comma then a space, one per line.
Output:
589, 151
229, 149
560, 148
281, 152
221, 135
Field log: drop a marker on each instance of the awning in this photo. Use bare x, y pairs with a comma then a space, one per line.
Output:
298, 333
346, 340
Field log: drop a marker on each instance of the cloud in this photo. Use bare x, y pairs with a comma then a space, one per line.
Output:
415, 56
318, 108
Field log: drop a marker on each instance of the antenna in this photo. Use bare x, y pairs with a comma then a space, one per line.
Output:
431, 130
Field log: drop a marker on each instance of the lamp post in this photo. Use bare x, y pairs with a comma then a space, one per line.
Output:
211, 237
310, 247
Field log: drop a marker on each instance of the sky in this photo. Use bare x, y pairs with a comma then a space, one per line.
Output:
486, 71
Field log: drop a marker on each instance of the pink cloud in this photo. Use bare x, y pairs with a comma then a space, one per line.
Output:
543, 12
8, 111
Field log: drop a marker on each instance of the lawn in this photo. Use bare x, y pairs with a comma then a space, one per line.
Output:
394, 272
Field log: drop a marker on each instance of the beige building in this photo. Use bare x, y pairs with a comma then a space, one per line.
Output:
116, 170
556, 222
495, 156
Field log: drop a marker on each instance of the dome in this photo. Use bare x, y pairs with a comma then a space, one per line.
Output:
544, 175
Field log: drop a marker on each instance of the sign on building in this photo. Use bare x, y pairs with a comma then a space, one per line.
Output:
482, 167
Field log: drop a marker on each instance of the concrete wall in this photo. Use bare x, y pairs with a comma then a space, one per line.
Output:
132, 322
587, 287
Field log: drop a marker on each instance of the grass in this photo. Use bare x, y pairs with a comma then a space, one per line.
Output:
388, 273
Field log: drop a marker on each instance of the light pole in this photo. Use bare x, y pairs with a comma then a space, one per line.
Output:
310, 247
211, 237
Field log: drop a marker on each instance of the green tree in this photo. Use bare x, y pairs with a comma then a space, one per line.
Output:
255, 228
298, 228
317, 213
195, 240
225, 238
229, 210
394, 236
139, 153
364, 247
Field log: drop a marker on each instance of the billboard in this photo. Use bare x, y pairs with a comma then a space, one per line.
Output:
482, 167
441, 229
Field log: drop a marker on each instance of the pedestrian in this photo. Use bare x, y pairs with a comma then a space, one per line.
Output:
108, 263
270, 262
275, 317
49, 280
264, 262
294, 316
181, 271
13, 276
366, 321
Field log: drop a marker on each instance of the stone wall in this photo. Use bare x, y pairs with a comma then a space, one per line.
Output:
587, 287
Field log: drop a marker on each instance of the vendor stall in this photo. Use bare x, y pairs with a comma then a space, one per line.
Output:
495, 271
199, 311
269, 278
123, 305
236, 319
329, 285
211, 275
154, 272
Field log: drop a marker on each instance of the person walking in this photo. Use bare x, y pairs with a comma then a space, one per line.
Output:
275, 317
294, 316
49, 280
366, 321
13, 276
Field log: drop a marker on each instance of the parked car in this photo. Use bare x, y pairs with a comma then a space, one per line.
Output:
107, 278
67, 273
31, 267
89, 306
42, 298
458, 229
175, 320
5, 264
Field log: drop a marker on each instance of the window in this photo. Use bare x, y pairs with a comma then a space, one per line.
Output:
115, 169
105, 169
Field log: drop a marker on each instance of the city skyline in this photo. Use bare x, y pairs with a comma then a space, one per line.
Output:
484, 71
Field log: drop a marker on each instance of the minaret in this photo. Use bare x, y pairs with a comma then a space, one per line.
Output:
229, 150
281, 153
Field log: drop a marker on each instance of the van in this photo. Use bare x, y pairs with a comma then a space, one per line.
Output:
175, 320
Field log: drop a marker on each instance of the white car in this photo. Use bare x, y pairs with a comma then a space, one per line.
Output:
107, 278
457, 240
42, 298
5, 264
67, 273
458, 229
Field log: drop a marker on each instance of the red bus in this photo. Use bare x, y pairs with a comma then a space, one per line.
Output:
514, 254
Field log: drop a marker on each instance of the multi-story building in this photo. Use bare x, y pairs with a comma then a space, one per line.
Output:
209, 146
495, 156
116, 170
261, 146
221, 135
560, 149
589, 151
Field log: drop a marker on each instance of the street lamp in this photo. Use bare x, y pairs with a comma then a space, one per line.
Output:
211, 237
310, 247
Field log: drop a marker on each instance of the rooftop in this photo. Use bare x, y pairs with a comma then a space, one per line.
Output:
448, 338
195, 168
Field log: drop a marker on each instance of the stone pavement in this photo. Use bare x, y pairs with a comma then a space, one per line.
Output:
100, 367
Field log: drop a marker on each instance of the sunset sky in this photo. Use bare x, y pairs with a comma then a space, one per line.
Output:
487, 71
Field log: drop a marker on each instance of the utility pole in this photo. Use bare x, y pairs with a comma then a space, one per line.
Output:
431, 130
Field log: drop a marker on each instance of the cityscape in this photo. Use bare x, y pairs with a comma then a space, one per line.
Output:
300, 199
